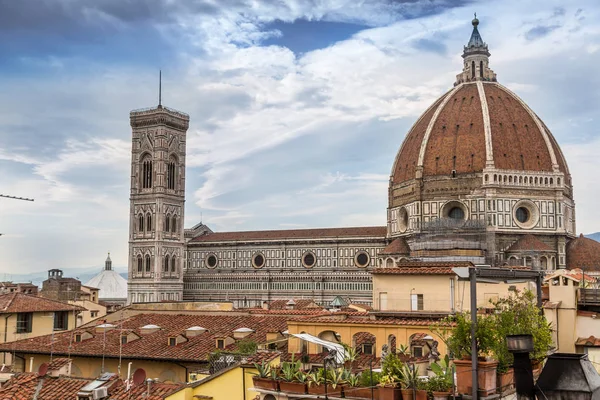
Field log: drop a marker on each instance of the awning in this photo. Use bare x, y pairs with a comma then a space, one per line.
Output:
340, 352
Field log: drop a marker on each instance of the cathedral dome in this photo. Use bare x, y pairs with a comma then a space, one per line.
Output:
475, 126
113, 287
583, 253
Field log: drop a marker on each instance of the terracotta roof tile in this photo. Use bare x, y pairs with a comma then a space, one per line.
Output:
155, 345
397, 246
23, 387
366, 319
320, 233
591, 341
528, 242
457, 137
583, 253
19, 302
421, 268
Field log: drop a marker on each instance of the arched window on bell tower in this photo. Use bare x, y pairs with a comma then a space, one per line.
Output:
166, 266
147, 263
146, 168
171, 173
141, 223
148, 222
167, 223
481, 69
139, 263
174, 224
173, 264
473, 69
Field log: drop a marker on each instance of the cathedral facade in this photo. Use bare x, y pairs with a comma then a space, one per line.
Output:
479, 177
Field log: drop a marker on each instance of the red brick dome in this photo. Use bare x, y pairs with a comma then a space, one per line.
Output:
583, 253
476, 125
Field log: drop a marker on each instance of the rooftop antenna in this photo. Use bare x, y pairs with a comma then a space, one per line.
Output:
159, 88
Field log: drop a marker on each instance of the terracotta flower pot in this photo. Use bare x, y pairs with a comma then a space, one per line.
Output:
292, 387
320, 389
506, 381
441, 395
421, 395
486, 377
357, 392
407, 394
389, 393
265, 383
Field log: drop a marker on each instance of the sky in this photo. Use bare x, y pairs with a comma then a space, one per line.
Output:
297, 107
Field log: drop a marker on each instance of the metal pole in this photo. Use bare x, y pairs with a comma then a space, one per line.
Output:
371, 369
473, 282
325, 375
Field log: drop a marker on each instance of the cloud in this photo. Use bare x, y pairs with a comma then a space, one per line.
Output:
540, 31
278, 137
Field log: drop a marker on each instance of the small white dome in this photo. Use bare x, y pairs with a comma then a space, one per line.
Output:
244, 330
150, 326
105, 326
196, 328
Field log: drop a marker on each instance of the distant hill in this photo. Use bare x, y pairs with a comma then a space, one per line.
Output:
595, 236
83, 274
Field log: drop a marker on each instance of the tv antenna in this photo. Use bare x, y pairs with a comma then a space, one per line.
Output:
6, 196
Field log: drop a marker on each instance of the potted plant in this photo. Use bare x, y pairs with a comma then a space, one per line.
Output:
350, 356
292, 379
315, 380
388, 387
360, 386
518, 314
413, 386
455, 331
440, 384
266, 377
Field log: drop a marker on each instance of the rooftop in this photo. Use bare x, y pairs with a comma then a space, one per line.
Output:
315, 233
19, 302
154, 345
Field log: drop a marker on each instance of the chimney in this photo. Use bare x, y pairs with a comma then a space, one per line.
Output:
265, 305
290, 305
568, 376
520, 346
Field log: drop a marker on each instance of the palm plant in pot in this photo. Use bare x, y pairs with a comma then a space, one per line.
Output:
266, 378
292, 378
413, 386
391, 372
315, 380
440, 384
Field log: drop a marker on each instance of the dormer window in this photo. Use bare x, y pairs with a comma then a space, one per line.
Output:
220, 343
172, 341
78, 338
124, 339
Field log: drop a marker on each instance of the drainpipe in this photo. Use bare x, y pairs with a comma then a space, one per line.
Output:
30, 364
6, 332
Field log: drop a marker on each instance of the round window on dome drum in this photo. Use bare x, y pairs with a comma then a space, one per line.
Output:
362, 259
211, 261
258, 261
309, 260
456, 213
522, 214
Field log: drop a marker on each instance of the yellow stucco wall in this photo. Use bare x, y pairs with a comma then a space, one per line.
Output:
381, 332
86, 316
91, 367
234, 384
436, 290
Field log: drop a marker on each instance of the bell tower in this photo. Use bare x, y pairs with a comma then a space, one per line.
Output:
157, 197
476, 57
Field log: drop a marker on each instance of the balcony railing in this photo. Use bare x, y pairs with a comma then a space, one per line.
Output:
589, 297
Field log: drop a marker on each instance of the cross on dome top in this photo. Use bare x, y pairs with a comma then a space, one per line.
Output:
476, 59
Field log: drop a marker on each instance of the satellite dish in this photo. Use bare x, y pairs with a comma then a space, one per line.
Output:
43, 369
139, 376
